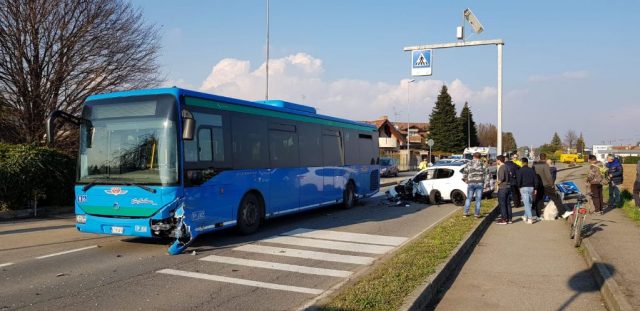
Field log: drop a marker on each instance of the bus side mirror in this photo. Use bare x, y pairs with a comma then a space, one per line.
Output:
188, 125
51, 127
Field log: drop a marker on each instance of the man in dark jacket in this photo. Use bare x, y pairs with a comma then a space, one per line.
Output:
504, 190
512, 171
542, 168
527, 182
615, 180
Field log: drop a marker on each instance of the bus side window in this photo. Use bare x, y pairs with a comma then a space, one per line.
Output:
205, 151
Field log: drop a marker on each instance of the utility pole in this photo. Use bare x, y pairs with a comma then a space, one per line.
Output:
266, 91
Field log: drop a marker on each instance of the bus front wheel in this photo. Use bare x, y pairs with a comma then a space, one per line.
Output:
349, 196
249, 214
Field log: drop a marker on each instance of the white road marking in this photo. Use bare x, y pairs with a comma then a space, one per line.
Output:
347, 236
341, 246
224, 279
297, 253
67, 252
5, 264
277, 266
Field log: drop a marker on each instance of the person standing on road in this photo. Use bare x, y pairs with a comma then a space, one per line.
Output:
512, 171
528, 183
504, 190
542, 168
615, 180
636, 186
553, 169
423, 164
595, 179
474, 176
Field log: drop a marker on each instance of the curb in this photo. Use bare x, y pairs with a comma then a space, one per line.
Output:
426, 294
613, 296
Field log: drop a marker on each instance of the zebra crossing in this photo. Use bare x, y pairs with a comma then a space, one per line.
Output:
326, 246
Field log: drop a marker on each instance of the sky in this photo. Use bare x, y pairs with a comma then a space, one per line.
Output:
568, 65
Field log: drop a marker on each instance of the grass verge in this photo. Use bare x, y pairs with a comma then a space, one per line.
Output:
628, 205
388, 284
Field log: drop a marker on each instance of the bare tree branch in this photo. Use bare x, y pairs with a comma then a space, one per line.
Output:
55, 53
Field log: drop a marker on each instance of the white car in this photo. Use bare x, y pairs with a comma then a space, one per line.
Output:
444, 183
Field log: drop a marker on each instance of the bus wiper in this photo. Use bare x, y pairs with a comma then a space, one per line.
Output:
141, 186
93, 183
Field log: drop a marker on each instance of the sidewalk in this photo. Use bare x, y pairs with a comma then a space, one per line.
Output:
524, 267
617, 240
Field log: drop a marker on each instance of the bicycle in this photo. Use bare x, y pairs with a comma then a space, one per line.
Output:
579, 215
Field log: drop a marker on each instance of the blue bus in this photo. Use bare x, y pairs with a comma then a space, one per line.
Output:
177, 163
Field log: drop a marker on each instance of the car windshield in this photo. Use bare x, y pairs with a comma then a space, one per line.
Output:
133, 141
385, 162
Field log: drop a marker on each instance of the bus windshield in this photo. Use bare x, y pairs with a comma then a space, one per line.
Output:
133, 141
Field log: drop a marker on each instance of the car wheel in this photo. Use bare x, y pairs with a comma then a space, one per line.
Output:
435, 197
249, 214
458, 197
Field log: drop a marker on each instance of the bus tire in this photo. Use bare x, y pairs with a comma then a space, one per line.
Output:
249, 214
349, 196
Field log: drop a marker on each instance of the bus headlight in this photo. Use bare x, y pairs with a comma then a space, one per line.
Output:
81, 219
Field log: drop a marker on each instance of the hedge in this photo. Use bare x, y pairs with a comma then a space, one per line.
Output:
28, 171
630, 160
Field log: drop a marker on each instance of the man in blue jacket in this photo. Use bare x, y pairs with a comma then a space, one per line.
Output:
615, 180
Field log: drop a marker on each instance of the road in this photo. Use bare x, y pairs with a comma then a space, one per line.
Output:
47, 264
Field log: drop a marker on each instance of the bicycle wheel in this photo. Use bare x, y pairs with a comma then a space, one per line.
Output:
572, 232
578, 231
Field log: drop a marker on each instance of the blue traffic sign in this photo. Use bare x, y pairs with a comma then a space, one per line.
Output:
421, 62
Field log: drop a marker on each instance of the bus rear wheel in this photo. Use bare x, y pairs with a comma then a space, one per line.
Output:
349, 196
249, 214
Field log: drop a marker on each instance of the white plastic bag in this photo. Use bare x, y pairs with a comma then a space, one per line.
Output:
550, 211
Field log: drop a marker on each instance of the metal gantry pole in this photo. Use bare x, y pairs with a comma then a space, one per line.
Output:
500, 98
408, 124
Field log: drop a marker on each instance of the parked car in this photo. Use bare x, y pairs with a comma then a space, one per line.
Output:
388, 167
444, 183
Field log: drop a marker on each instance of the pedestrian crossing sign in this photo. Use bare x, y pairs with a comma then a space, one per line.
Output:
421, 62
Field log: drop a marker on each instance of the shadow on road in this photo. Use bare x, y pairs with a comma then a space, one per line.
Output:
583, 282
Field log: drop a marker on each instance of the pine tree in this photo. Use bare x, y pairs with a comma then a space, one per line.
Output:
556, 143
444, 126
468, 127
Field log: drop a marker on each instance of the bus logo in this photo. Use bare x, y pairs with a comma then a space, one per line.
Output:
116, 191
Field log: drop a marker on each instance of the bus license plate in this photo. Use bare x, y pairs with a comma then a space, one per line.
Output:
117, 230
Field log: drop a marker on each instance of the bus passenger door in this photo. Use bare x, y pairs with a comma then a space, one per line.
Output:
284, 163
333, 160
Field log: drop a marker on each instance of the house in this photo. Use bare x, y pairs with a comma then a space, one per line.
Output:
392, 140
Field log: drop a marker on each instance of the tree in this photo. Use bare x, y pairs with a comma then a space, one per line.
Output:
468, 126
556, 143
55, 53
580, 144
487, 135
508, 142
444, 126
570, 138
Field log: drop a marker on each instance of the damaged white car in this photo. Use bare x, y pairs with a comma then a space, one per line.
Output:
441, 183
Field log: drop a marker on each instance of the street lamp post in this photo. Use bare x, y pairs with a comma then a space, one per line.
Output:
408, 124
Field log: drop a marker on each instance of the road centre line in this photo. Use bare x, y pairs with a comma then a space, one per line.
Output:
5, 264
334, 245
225, 279
346, 236
277, 266
297, 253
67, 252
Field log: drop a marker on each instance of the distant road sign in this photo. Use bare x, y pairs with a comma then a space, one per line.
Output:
421, 62
430, 142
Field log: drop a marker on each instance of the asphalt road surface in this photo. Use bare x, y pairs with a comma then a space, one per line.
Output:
289, 263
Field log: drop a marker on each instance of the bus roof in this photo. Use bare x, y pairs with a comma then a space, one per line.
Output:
274, 105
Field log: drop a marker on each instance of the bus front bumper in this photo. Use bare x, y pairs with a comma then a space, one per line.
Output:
116, 226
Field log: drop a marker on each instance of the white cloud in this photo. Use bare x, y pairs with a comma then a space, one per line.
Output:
298, 78
567, 75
